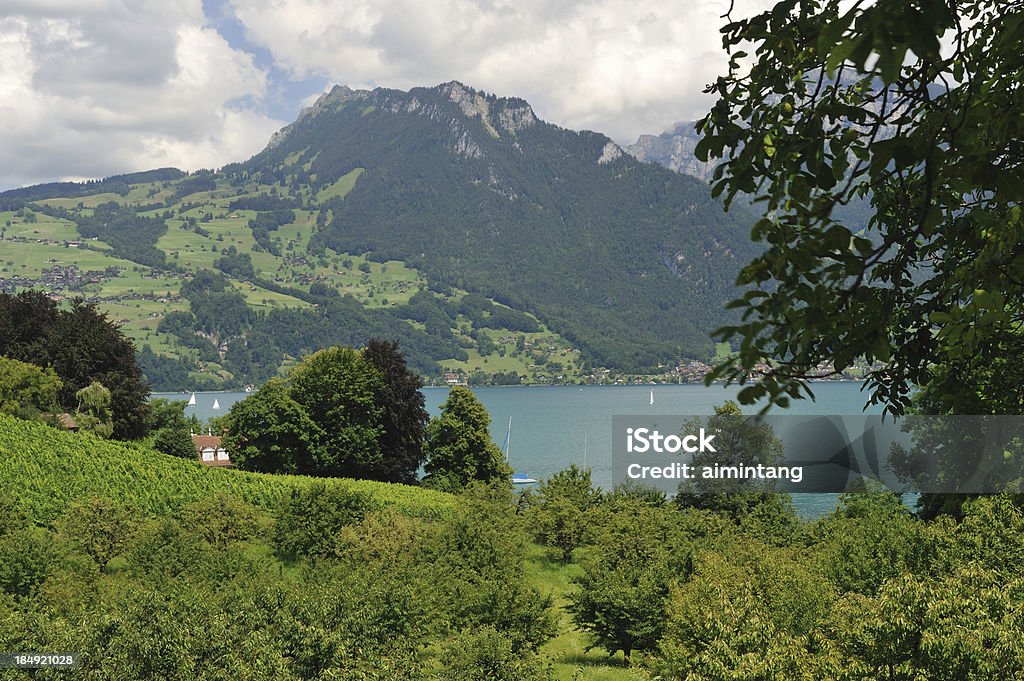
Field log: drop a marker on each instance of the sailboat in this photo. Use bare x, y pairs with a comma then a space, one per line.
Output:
192, 400
216, 404
517, 478
652, 395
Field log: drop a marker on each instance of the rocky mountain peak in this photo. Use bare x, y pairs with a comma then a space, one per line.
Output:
496, 113
674, 150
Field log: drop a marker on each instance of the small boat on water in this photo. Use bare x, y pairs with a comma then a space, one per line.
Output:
652, 395
192, 400
517, 478
216, 404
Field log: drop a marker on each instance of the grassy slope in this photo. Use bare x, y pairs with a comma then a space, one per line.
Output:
46, 470
139, 301
567, 650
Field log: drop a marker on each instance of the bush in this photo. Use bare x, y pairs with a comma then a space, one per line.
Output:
310, 522
163, 549
27, 556
174, 441
224, 518
98, 527
488, 655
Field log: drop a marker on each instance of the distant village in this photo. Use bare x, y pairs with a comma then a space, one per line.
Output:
695, 371
59, 277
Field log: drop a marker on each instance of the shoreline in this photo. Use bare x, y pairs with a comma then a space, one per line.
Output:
521, 385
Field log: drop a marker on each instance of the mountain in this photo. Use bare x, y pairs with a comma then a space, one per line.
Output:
489, 242
673, 149
626, 259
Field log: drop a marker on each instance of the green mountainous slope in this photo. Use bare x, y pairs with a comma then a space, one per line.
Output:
487, 241
628, 260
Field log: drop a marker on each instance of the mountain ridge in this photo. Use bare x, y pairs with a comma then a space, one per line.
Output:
507, 177
631, 264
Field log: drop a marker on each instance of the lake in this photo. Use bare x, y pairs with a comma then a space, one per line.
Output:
554, 426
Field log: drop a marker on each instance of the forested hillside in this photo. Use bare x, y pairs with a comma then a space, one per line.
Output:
630, 261
488, 242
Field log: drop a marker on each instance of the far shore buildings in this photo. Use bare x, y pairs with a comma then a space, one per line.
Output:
452, 378
210, 451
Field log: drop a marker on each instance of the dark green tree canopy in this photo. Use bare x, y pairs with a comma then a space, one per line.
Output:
404, 418
82, 346
341, 412
825, 104
459, 445
339, 390
739, 442
270, 432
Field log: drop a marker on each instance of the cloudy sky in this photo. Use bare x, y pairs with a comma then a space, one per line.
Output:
90, 88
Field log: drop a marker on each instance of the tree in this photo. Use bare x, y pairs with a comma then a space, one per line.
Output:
950, 627
623, 593
93, 413
27, 557
404, 418
270, 432
459, 445
825, 104
26, 390
82, 346
99, 528
743, 617
223, 519
310, 521
174, 442
172, 430
477, 561
338, 389
488, 655
339, 413
165, 413
738, 442
563, 508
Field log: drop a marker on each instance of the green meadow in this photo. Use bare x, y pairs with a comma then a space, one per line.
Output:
199, 229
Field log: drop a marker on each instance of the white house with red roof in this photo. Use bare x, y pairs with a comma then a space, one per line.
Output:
210, 450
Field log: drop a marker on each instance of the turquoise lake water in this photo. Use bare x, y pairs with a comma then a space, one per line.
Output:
554, 426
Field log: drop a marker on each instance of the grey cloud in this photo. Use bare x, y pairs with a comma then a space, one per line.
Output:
115, 54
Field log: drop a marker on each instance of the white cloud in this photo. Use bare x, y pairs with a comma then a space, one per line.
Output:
609, 65
98, 88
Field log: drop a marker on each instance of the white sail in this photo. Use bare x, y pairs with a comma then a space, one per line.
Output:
192, 400
652, 396
216, 404
517, 478
508, 439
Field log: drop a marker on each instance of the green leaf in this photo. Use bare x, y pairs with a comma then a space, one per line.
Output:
839, 54
1009, 186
